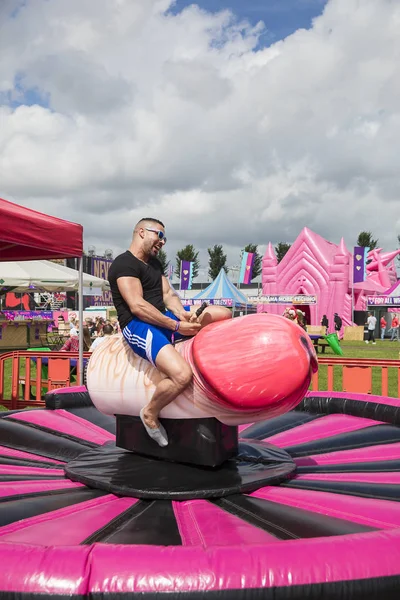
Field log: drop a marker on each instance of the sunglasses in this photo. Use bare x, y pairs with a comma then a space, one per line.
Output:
160, 234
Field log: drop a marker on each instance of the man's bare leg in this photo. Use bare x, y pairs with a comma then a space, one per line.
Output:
214, 313
179, 375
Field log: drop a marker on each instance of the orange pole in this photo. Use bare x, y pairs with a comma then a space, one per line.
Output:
39, 378
14, 380
27, 378
78, 372
315, 382
330, 378
385, 381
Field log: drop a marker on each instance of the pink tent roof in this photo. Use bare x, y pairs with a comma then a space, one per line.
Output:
26, 234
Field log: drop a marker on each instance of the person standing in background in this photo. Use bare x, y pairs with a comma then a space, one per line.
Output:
72, 343
338, 323
395, 329
325, 322
115, 325
383, 327
108, 330
371, 322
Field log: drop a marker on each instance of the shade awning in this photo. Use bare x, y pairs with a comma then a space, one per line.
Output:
43, 275
26, 234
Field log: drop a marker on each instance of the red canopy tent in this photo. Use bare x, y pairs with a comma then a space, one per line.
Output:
26, 234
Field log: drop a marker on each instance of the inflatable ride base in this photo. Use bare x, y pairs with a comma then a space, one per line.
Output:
322, 523
124, 473
205, 442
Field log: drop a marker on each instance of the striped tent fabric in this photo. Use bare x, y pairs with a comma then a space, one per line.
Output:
222, 287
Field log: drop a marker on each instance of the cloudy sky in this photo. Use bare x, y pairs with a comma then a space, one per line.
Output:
232, 121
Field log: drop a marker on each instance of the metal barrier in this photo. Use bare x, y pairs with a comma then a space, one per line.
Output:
53, 370
357, 375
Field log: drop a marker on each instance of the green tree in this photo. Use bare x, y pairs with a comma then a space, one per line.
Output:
365, 240
187, 253
257, 266
216, 261
162, 257
281, 250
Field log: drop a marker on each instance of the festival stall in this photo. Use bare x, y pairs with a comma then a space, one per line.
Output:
25, 329
28, 328
30, 235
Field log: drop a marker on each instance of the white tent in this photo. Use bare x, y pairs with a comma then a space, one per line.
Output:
44, 275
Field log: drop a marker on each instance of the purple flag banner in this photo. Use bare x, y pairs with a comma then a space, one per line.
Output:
246, 268
186, 274
360, 264
100, 268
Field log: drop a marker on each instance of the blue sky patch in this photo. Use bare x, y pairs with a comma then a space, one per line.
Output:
281, 17
22, 95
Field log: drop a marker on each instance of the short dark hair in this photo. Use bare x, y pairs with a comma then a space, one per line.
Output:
152, 220
108, 329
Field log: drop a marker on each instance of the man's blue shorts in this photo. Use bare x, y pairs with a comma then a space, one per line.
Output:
147, 340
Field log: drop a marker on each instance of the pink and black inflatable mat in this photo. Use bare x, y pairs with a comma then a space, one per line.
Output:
308, 508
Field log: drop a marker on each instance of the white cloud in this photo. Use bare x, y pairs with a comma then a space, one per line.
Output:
182, 117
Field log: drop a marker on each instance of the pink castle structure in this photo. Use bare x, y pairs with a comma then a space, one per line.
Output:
314, 266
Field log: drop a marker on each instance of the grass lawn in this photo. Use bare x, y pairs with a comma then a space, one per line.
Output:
382, 349
7, 379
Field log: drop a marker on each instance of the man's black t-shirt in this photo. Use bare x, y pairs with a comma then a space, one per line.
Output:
127, 265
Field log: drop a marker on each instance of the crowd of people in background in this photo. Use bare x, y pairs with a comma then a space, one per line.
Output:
95, 331
371, 323
393, 331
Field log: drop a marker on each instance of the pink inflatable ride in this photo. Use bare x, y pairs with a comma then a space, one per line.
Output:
245, 370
